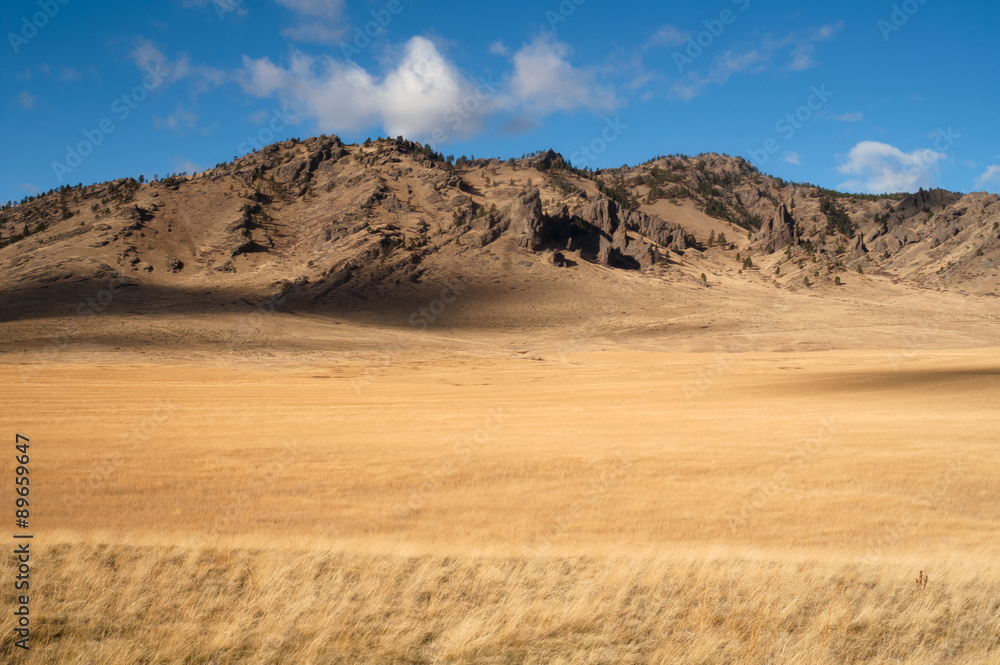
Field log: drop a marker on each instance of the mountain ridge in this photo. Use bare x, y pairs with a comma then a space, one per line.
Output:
317, 220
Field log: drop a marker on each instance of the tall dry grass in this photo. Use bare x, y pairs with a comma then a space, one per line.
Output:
113, 603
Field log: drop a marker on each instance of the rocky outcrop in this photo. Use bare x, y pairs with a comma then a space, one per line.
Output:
615, 248
547, 160
524, 218
858, 247
779, 232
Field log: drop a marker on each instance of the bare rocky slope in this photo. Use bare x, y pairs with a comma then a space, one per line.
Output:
320, 224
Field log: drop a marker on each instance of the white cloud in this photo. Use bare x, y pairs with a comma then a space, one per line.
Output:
850, 117
791, 158
186, 165
415, 96
424, 91
880, 167
723, 68
668, 35
498, 48
26, 99
802, 57
147, 56
222, 7
411, 100
826, 32
317, 20
29, 187
180, 118
326, 9
991, 174
800, 46
544, 81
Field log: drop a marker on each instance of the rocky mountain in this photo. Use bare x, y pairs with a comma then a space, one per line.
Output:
316, 221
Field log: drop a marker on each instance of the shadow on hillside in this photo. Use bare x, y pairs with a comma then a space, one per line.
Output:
404, 306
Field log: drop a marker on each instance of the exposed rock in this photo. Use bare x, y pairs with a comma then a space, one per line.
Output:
779, 232
858, 247
524, 218
547, 160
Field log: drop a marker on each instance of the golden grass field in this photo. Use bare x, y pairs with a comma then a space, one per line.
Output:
617, 506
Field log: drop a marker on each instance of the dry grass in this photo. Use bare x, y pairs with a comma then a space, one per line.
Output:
147, 604
599, 508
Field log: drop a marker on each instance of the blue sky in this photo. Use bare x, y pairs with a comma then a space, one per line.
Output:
863, 96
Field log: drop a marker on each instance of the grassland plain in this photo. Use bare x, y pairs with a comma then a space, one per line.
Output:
591, 507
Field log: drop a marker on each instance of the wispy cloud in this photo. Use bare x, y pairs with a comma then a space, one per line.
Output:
668, 35
723, 68
544, 81
802, 57
180, 118
147, 55
990, 175
186, 165
799, 47
316, 20
26, 99
849, 117
791, 158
